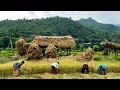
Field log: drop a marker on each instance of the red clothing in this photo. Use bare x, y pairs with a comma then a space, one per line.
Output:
54, 70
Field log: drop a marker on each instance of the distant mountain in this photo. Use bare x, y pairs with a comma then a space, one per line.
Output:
117, 25
89, 22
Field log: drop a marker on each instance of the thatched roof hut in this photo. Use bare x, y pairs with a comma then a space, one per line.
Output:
57, 41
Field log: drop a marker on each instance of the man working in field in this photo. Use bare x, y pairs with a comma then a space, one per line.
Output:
55, 67
102, 68
16, 67
85, 67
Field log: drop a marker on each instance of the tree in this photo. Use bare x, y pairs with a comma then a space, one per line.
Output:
96, 48
81, 47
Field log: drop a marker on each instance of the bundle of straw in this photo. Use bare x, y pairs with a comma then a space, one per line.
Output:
34, 52
51, 51
20, 46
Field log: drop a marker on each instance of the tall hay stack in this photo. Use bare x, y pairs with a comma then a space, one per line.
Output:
87, 55
81, 56
51, 51
26, 46
34, 52
20, 46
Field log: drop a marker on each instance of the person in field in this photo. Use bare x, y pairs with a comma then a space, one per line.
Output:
102, 69
55, 69
85, 67
16, 68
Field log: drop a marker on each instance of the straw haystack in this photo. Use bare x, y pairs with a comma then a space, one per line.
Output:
51, 51
20, 46
87, 55
26, 45
42, 43
57, 41
34, 51
113, 46
81, 56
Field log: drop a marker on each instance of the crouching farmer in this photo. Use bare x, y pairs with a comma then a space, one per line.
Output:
16, 68
102, 69
55, 69
85, 67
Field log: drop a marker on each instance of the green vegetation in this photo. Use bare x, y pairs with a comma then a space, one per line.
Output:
86, 33
89, 22
102, 31
56, 26
96, 48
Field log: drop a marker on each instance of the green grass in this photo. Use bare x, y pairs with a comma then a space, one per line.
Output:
7, 52
5, 55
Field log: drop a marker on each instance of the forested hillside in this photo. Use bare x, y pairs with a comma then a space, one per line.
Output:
53, 26
89, 22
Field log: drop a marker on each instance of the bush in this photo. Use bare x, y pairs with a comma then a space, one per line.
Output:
96, 48
97, 58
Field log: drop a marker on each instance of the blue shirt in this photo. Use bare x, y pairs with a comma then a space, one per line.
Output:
16, 65
102, 65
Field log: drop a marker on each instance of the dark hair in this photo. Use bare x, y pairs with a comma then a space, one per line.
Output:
23, 62
58, 62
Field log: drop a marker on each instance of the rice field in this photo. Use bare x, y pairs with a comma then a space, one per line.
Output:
67, 66
66, 76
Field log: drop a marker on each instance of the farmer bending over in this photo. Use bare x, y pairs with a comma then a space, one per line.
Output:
16, 67
55, 67
85, 67
102, 68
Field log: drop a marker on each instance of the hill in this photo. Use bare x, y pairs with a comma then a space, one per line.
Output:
89, 22
117, 25
53, 26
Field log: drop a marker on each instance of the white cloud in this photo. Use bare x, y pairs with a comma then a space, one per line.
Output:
100, 16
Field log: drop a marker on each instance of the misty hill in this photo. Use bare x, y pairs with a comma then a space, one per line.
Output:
117, 25
53, 26
89, 22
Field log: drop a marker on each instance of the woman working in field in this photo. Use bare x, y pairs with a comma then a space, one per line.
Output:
16, 67
85, 67
55, 67
102, 68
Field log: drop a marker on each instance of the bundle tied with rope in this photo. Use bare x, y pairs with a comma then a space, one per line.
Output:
20, 46
51, 51
34, 52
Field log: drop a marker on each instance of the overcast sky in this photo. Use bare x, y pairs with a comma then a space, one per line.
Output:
110, 17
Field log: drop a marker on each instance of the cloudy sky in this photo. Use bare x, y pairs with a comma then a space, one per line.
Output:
111, 17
